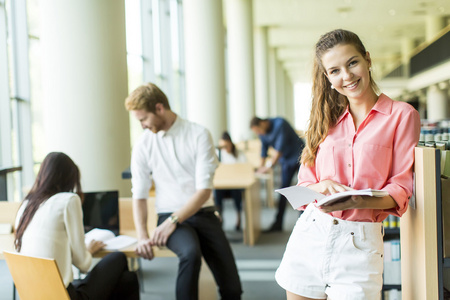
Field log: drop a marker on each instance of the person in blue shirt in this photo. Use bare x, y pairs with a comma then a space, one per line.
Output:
278, 134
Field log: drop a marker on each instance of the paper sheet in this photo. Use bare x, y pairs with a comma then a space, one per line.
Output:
299, 195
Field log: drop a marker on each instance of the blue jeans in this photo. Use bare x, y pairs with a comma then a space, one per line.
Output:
219, 195
202, 235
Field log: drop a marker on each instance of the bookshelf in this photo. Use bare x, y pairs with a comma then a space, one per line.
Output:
390, 234
421, 228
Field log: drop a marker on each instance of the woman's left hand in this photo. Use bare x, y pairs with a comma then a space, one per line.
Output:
346, 203
95, 246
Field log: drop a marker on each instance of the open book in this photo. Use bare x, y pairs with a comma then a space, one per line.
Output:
107, 236
299, 195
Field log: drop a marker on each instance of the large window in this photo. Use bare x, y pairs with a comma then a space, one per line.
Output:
155, 50
15, 100
155, 54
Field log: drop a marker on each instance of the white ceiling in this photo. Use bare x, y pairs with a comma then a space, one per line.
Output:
294, 26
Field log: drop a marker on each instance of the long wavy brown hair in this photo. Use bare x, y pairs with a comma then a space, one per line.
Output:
58, 173
327, 104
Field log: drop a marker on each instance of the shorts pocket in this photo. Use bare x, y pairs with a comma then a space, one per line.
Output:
368, 245
304, 222
367, 254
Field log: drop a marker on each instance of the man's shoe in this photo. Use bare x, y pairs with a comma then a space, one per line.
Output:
276, 227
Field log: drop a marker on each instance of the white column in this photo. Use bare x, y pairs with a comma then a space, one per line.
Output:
281, 97
240, 67
273, 83
437, 102
289, 95
407, 46
205, 64
261, 73
84, 86
434, 24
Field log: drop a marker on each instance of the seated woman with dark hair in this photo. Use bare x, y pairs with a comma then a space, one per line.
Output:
50, 225
229, 154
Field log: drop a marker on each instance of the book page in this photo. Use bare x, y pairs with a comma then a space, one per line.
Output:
299, 195
339, 196
98, 235
120, 242
107, 236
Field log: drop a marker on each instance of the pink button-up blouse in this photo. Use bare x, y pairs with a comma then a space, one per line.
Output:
379, 155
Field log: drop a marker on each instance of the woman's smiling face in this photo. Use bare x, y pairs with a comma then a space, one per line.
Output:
348, 71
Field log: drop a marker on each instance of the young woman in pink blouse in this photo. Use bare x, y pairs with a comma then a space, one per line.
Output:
356, 139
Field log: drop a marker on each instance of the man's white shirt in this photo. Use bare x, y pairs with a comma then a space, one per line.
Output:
182, 160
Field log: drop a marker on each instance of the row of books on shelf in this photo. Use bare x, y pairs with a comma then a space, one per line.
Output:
391, 222
437, 135
392, 268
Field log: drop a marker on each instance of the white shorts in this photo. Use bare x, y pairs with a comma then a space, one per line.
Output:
331, 257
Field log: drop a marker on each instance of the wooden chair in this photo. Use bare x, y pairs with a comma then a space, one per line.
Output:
36, 278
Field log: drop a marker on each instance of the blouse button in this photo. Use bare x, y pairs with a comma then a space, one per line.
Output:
335, 222
349, 165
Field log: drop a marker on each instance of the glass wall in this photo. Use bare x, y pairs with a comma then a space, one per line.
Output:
154, 54
155, 51
15, 99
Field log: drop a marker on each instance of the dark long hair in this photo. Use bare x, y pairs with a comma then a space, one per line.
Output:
226, 137
58, 173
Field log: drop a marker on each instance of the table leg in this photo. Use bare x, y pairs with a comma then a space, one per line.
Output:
252, 214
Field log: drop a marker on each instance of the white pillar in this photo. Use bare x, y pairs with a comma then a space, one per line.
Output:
281, 97
289, 95
240, 67
205, 64
407, 46
437, 102
273, 83
84, 63
434, 24
261, 73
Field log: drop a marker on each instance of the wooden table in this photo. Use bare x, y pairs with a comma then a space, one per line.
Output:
242, 176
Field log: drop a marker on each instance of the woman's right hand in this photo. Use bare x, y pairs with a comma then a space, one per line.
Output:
328, 187
95, 246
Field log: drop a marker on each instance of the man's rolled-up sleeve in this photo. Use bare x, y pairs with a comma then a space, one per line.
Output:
140, 173
206, 161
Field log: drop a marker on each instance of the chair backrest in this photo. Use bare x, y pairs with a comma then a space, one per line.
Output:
8, 212
36, 278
